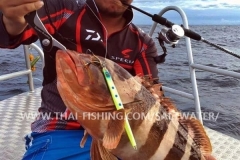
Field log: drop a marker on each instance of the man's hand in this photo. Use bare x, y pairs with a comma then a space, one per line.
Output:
14, 11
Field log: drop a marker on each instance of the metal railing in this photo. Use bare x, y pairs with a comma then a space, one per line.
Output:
192, 65
28, 70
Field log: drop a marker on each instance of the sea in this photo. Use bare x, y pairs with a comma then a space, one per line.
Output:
219, 95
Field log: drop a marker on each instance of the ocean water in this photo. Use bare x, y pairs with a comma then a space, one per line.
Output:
219, 95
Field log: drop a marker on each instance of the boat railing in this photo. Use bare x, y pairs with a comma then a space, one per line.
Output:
28, 70
192, 66
11, 144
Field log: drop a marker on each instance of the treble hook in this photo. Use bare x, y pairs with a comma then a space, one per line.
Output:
96, 60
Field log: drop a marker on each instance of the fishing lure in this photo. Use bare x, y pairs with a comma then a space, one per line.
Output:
118, 103
116, 100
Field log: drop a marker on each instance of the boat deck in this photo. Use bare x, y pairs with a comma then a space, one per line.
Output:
19, 111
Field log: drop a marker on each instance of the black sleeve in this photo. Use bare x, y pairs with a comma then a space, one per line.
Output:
59, 10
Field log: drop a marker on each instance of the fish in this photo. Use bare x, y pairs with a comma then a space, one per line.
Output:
157, 126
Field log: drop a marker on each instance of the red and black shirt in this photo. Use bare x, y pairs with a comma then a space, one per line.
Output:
77, 25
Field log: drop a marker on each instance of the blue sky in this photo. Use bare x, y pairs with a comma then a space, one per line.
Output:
198, 12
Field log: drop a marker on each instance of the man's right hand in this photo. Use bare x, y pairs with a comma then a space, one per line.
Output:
14, 11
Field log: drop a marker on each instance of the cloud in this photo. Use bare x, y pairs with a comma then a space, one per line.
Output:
195, 17
198, 12
193, 4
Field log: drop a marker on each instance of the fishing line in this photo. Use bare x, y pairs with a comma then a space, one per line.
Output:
187, 32
221, 48
106, 39
112, 88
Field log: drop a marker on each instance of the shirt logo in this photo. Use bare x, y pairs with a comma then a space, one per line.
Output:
122, 60
126, 53
93, 35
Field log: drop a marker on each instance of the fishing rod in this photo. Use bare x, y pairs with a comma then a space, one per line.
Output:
175, 32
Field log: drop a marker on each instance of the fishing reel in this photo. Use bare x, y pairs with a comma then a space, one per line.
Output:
171, 35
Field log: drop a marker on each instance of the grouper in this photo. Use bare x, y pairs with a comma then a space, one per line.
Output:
158, 129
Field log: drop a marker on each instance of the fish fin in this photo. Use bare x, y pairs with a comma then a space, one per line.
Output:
114, 130
194, 127
98, 152
168, 105
128, 110
84, 139
129, 106
157, 91
209, 157
196, 131
138, 78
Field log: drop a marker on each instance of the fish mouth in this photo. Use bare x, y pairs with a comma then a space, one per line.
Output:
82, 68
81, 80
67, 69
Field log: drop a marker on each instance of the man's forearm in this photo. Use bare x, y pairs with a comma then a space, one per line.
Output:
12, 21
13, 12
14, 27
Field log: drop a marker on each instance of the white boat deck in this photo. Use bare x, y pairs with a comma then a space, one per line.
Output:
14, 125
18, 112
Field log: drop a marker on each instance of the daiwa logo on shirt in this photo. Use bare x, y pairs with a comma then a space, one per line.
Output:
93, 35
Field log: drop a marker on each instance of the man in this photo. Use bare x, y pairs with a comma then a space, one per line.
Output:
102, 26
